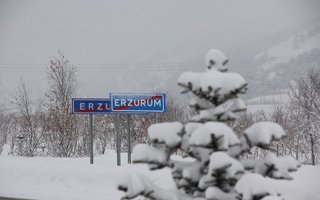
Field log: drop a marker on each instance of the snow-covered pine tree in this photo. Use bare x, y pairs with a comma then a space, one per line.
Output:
214, 167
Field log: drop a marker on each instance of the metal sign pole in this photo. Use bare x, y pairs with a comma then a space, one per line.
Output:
91, 138
129, 140
118, 140
155, 118
156, 121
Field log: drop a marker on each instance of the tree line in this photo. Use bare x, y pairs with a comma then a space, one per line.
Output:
46, 127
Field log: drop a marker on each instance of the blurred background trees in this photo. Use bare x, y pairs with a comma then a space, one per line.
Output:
46, 127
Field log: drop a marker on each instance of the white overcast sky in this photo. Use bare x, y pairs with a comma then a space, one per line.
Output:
118, 45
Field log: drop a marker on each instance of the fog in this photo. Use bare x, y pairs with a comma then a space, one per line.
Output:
132, 46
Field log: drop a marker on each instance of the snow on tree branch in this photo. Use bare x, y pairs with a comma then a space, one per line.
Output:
277, 168
225, 170
190, 81
167, 133
219, 84
216, 59
222, 112
261, 134
213, 85
214, 135
254, 186
156, 158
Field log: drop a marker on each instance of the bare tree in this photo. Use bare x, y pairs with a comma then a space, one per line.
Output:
282, 116
28, 119
305, 102
60, 125
7, 127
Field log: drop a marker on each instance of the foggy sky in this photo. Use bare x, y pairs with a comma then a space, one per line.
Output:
118, 45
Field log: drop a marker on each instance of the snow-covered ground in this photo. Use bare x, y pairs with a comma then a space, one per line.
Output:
267, 103
69, 178
75, 178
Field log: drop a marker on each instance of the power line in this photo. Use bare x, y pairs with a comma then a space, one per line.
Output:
108, 67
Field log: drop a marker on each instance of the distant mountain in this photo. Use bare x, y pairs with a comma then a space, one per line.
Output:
288, 60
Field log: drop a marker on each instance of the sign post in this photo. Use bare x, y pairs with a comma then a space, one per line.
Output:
137, 103
90, 106
129, 140
128, 103
119, 103
118, 140
91, 138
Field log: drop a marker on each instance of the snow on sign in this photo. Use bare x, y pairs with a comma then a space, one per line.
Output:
138, 103
90, 106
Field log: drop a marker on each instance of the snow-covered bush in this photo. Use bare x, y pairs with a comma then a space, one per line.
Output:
215, 168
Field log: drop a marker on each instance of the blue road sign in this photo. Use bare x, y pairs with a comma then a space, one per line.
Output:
90, 106
138, 103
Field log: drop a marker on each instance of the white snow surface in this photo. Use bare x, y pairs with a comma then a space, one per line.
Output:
272, 198
267, 103
75, 178
190, 127
282, 98
216, 193
168, 133
70, 178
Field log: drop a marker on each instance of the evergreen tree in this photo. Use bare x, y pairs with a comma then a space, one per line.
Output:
214, 166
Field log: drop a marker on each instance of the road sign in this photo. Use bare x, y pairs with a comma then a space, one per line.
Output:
138, 103
90, 106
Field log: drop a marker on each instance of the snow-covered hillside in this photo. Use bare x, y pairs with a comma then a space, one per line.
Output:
286, 61
266, 103
75, 178
296, 45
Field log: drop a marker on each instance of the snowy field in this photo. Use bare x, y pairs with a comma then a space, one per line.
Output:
75, 178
